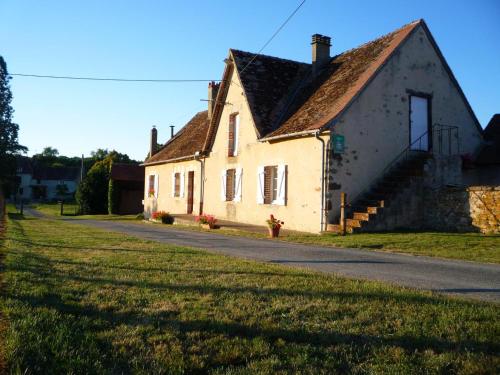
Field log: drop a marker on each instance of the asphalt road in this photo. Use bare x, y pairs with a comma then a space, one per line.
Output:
467, 279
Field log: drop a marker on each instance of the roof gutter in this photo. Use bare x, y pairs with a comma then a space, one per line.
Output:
304, 133
181, 158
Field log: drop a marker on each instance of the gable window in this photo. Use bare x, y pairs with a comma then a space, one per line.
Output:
231, 184
272, 181
234, 124
153, 186
177, 184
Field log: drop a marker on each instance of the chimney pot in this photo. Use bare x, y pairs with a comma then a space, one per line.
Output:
320, 52
213, 89
172, 131
153, 142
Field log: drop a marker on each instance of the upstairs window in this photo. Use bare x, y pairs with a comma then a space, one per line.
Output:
233, 130
272, 185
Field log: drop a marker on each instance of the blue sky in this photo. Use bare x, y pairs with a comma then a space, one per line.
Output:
189, 40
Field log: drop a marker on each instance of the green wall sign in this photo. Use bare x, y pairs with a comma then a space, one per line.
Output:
338, 144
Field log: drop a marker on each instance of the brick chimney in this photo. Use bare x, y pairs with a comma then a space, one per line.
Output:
320, 52
213, 89
153, 142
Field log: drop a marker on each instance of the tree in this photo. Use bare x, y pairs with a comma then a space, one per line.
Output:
9, 146
92, 193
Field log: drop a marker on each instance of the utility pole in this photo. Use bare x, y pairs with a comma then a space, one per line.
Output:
81, 170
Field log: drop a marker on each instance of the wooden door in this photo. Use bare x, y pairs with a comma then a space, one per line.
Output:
190, 192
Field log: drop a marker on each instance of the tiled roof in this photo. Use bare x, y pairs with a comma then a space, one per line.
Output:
490, 154
268, 82
186, 142
321, 99
127, 172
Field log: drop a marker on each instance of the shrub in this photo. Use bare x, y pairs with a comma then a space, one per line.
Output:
206, 219
163, 216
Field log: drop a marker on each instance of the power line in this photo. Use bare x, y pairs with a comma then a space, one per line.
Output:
273, 36
112, 79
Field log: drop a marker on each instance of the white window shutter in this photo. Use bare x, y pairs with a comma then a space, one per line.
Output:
281, 196
260, 185
236, 134
223, 185
173, 184
237, 185
182, 185
156, 185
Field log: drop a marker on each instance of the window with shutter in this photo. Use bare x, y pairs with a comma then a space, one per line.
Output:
268, 184
177, 189
232, 134
274, 184
230, 181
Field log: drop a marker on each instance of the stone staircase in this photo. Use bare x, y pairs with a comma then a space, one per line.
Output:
371, 211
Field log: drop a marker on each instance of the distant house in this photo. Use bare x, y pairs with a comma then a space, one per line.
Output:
286, 138
485, 169
127, 182
46, 183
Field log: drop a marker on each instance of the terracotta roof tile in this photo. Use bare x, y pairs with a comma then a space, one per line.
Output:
268, 82
322, 98
186, 142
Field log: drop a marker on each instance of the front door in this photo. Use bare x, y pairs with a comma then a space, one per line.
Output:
190, 193
420, 135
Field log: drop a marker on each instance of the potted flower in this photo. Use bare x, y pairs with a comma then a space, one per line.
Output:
274, 226
163, 217
206, 221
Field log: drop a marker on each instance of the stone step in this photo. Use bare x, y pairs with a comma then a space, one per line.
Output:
336, 228
353, 223
362, 216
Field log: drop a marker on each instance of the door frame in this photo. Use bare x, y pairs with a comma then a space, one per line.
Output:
427, 96
190, 193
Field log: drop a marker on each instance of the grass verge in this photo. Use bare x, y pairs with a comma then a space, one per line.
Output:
474, 247
82, 300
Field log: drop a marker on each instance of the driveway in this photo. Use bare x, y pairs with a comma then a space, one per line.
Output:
467, 279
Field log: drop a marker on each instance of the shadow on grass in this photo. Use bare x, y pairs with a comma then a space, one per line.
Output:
106, 319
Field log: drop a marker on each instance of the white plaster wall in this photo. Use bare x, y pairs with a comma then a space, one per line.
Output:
164, 200
303, 159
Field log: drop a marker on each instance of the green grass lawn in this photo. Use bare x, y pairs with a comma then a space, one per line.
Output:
82, 300
462, 246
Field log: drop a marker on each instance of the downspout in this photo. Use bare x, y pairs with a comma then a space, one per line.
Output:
322, 220
202, 181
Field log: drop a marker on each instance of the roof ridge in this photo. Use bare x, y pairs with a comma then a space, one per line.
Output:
269, 56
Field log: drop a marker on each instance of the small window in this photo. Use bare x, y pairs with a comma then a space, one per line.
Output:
232, 148
177, 184
230, 184
151, 186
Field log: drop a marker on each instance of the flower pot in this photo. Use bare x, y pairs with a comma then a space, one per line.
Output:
274, 232
207, 226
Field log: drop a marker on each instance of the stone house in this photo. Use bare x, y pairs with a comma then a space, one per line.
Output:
286, 138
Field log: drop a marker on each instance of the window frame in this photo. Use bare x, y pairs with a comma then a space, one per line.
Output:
230, 184
232, 135
177, 184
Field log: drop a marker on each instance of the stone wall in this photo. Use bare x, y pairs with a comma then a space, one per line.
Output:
476, 209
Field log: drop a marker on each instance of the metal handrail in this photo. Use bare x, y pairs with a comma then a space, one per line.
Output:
403, 156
